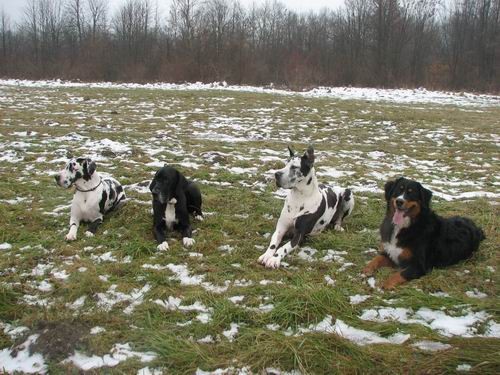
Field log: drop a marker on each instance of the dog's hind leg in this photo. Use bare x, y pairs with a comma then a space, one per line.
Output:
193, 201
347, 205
93, 227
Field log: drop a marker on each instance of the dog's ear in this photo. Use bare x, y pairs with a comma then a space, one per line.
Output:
389, 187
89, 167
292, 153
309, 154
152, 185
425, 196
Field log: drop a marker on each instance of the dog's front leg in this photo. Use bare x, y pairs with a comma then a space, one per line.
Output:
74, 223
276, 238
283, 251
187, 234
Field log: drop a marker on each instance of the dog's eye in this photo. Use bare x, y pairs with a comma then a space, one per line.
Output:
293, 167
410, 190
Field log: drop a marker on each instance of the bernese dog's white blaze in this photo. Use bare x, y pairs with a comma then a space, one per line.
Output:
309, 207
94, 195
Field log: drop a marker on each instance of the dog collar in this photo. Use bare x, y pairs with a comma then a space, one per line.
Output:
86, 191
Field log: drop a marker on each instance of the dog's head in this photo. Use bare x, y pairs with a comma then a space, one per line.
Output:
165, 184
406, 199
296, 170
74, 170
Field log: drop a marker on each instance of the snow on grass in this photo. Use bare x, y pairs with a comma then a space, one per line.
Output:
406, 96
358, 298
20, 359
447, 325
431, 346
464, 367
225, 371
12, 331
111, 297
96, 330
475, 294
148, 371
5, 246
231, 333
119, 353
357, 336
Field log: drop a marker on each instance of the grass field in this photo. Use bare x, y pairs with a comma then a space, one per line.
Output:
212, 306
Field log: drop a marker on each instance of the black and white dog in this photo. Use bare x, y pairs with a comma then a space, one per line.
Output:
94, 195
174, 198
309, 207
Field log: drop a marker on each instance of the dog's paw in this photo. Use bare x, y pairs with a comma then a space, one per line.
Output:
187, 242
70, 236
89, 234
338, 228
163, 246
199, 218
273, 262
264, 257
367, 271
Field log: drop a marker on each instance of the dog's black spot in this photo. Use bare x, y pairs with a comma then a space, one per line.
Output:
310, 180
322, 222
288, 208
102, 202
275, 255
331, 197
112, 194
301, 208
273, 247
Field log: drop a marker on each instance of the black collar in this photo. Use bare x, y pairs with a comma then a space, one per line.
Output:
85, 191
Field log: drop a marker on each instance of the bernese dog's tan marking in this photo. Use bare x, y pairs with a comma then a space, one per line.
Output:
415, 239
378, 262
394, 280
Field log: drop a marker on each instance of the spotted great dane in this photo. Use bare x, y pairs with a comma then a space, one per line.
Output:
94, 195
309, 207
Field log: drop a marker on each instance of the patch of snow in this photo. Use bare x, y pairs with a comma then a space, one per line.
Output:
231, 333
119, 353
5, 246
358, 298
464, 367
437, 320
96, 330
431, 346
356, 335
23, 361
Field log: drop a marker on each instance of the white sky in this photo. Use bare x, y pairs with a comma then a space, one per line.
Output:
15, 8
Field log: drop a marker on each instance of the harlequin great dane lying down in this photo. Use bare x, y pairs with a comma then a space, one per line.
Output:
309, 207
94, 195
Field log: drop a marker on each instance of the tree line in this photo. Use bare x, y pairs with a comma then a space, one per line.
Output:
448, 44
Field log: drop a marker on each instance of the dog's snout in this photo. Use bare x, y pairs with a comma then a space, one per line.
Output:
400, 202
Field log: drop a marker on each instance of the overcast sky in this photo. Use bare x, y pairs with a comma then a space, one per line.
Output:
15, 8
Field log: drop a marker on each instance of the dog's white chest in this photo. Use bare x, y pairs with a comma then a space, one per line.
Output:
391, 249
170, 218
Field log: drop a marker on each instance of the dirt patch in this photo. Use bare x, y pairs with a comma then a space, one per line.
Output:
58, 340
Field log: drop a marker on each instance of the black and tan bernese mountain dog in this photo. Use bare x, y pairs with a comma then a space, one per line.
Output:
416, 239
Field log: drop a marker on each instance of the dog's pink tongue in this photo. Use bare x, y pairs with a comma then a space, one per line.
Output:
398, 218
